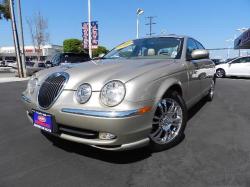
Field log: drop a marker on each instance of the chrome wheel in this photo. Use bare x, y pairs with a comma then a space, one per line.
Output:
167, 121
220, 73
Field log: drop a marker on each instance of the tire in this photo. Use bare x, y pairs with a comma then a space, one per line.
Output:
168, 122
220, 73
210, 94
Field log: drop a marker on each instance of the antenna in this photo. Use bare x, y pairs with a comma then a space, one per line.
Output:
150, 24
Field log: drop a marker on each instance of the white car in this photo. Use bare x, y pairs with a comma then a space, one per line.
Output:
239, 67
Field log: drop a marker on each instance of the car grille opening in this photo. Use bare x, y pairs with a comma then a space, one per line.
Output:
51, 89
81, 133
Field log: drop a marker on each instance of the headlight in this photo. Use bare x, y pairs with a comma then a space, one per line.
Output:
32, 84
113, 93
83, 93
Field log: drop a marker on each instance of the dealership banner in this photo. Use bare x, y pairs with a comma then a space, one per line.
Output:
94, 34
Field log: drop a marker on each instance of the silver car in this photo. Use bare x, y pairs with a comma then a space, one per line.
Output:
136, 95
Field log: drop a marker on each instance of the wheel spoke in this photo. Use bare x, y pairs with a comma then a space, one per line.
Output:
161, 108
157, 118
177, 120
165, 106
171, 108
158, 136
157, 131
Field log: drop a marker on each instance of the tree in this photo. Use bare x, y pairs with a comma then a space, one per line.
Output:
38, 26
72, 46
4, 9
100, 50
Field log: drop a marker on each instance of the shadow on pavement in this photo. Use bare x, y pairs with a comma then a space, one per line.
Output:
236, 78
123, 157
196, 108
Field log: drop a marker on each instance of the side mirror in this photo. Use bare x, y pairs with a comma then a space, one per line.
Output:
199, 54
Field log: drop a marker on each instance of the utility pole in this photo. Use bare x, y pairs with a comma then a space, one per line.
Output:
89, 20
150, 24
21, 38
15, 37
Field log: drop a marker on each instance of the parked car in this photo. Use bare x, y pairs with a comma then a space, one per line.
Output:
67, 58
239, 67
137, 95
31, 67
10, 63
1, 62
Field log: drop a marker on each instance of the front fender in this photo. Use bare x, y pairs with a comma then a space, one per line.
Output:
142, 89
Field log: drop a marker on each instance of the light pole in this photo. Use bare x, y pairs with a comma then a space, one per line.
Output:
21, 38
16, 40
138, 13
89, 20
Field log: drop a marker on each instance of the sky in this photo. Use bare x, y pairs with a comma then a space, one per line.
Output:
211, 22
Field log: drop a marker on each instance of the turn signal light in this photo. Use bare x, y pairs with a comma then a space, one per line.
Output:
144, 109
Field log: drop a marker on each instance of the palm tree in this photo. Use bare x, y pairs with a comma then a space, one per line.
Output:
4, 9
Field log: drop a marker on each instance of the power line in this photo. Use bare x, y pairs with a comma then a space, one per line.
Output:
150, 24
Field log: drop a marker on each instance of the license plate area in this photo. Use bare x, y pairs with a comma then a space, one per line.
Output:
43, 121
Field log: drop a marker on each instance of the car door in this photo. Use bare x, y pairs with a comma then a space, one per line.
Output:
194, 67
206, 71
247, 67
236, 67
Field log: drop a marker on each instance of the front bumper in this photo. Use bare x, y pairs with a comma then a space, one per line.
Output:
130, 127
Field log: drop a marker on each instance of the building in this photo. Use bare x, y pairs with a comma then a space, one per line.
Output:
243, 41
31, 52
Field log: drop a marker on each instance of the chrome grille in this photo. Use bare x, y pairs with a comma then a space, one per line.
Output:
51, 89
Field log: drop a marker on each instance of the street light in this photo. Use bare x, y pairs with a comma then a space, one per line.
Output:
138, 13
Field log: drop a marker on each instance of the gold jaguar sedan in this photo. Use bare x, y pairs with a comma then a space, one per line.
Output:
136, 95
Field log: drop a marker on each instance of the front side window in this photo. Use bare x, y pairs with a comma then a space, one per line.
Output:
191, 46
237, 61
151, 48
199, 45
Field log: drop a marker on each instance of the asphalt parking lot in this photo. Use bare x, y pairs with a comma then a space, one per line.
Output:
214, 152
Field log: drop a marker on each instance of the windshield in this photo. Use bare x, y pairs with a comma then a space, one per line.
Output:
162, 47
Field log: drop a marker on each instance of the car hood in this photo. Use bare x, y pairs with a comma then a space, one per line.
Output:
97, 73
222, 65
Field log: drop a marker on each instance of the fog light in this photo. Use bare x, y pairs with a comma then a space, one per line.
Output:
106, 136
